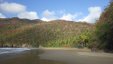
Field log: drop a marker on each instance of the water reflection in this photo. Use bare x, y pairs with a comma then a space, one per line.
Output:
27, 57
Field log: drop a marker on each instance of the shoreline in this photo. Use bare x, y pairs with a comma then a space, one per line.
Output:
65, 55
16, 50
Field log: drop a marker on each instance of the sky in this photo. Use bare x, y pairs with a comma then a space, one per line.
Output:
47, 10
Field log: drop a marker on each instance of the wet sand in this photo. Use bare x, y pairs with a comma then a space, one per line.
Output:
57, 56
26, 57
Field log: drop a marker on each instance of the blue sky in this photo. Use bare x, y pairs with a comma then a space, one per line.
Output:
76, 10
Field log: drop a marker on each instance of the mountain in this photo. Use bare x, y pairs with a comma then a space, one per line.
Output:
17, 32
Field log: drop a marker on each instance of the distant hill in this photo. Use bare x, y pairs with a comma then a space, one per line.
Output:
17, 32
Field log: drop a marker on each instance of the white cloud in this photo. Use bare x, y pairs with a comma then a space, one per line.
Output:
28, 15
19, 9
2, 16
53, 15
46, 19
48, 15
12, 7
69, 16
94, 14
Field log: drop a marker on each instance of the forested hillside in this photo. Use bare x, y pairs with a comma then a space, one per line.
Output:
17, 32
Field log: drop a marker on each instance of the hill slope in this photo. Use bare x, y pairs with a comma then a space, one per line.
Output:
17, 32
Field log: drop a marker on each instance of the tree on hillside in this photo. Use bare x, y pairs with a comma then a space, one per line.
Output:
104, 29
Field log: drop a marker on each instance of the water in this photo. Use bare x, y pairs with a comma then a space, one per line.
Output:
12, 50
23, 56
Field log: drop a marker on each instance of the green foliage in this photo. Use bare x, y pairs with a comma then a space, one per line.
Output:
104, 29
57, 33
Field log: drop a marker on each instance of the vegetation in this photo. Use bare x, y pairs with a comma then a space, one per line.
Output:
58, 33
104, 29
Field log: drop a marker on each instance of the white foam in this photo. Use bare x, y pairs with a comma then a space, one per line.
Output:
12, 50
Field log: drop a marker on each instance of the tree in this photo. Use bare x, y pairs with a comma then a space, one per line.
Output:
104, 29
